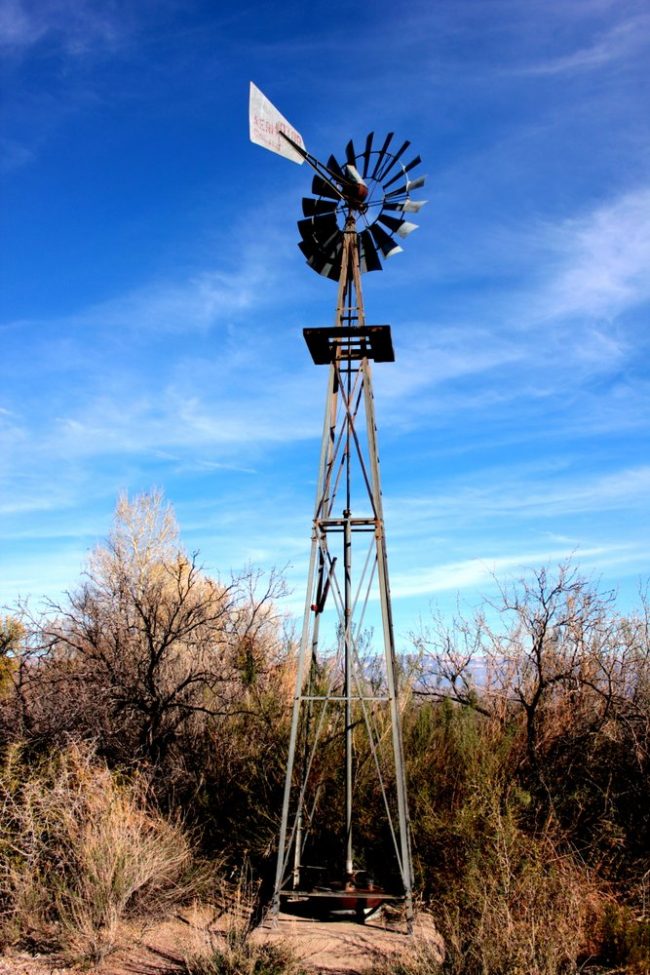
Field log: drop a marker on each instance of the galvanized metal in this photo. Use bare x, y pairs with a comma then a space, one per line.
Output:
267, 128
348, 474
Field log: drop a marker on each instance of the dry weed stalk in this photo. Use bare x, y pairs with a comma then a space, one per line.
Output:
228, 946
80, 852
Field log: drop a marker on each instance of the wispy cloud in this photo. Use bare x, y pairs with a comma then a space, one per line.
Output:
566, 316
198, 304
624, 39
514, 493
603, 259
13, 155
481, 572
78, 25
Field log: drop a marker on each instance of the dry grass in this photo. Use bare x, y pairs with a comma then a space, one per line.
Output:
524, 910
237, 954
233, 949
81, 851
423, 958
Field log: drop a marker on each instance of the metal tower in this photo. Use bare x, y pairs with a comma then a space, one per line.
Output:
337, 699
339, 531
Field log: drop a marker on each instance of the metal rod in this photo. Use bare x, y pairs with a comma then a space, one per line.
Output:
389, 650
332, 697
347, 548
387, 621
293, 736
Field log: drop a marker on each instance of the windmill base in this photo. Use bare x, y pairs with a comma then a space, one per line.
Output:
337, 901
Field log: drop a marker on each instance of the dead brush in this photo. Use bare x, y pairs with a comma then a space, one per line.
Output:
422, 958
229, 946
523, 910
230, 954
80, 852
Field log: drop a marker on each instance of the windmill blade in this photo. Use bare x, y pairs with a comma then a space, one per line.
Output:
334, 167
328, 242
311, 207
386, 168
407, 228
317, 254
401, 227
320, 187
366, 153
315, 260
408, 206
382, 153
307, 249
384, 241
404, 170
400, 191
410, 184
350, 154
332, 271
329, 265
321, 230
368, 256
414, 206
393, 223
415, 184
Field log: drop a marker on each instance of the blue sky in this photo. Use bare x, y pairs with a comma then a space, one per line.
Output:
153, 295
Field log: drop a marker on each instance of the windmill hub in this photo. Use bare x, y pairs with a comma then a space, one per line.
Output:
373, 183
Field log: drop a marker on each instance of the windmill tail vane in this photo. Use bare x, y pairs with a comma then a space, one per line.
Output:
350, 223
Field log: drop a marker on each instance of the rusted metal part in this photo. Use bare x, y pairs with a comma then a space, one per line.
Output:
324, 903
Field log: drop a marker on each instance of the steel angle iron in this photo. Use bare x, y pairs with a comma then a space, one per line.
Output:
357, 209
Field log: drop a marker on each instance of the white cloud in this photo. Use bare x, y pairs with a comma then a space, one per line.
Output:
604, 258
536, 494
78, 25
477, 572
47, 576
430, 357
197, 304
616, 44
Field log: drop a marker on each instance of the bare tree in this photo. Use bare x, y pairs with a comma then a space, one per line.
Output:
553, 652
148, 645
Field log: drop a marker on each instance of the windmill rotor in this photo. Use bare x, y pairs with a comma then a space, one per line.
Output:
374, 185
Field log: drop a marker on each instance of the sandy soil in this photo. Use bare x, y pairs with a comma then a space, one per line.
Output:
346, 948
333, 948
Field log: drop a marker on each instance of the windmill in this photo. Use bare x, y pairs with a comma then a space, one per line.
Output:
356, 209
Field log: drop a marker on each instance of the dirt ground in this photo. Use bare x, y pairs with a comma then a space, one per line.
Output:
331, 948
347, 948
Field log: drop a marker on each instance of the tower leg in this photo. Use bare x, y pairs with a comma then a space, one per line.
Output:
389, 651
308, 643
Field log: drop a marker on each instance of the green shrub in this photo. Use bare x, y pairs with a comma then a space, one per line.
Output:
506, 900
626, 940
